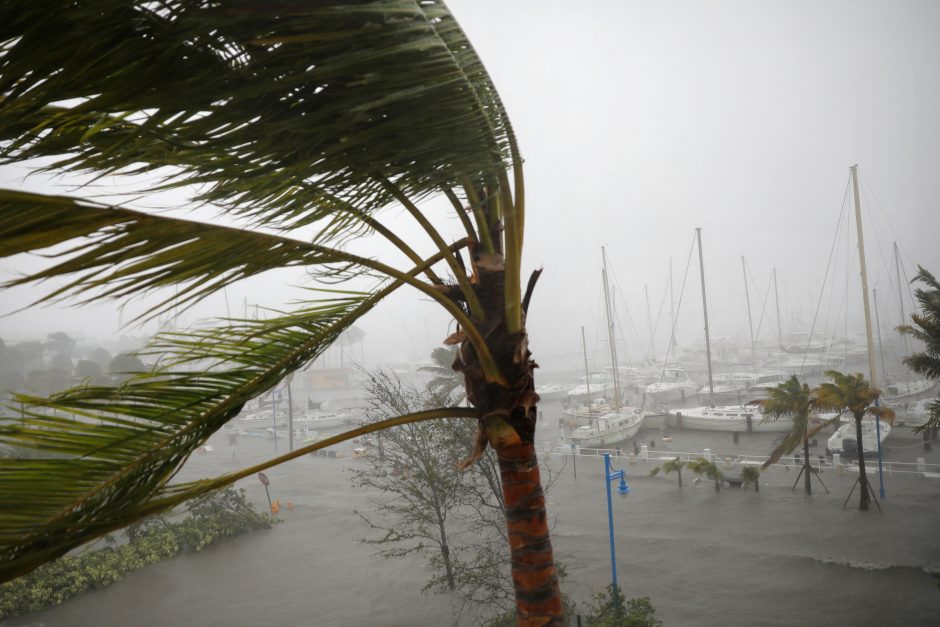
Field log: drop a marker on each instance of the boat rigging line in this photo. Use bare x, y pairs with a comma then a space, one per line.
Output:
672, 337
822, 290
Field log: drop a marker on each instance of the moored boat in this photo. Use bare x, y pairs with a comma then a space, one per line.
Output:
609, 429
845, 439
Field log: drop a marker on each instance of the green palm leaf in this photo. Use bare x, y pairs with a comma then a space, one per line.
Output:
109, 448
271, 106
50, 539
284, 114
120, 252
126, 252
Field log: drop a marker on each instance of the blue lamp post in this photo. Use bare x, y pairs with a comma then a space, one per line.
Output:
623, 489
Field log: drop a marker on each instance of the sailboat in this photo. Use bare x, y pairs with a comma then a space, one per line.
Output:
624, 422
719, 417
900, 394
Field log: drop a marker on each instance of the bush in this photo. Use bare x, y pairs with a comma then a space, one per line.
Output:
216, 516
611, 609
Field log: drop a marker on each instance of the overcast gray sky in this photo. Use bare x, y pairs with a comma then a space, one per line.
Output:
640, 121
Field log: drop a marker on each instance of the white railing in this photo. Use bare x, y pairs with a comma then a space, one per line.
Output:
824, 462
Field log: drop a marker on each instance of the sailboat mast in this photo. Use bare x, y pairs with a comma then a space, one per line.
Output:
587, 371
610, 333
777, 300
747, 297
649, 318
881, 350
897, 272
672, 308
864, 272
708, 346
613, 314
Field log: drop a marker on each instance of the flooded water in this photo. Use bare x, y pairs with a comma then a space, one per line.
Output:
736, 557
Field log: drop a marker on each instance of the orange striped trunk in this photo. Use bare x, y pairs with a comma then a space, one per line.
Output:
508, 417
538, 597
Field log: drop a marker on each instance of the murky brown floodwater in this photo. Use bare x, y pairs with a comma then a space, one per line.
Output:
734, 558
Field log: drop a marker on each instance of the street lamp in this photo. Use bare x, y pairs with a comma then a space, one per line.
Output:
623, 489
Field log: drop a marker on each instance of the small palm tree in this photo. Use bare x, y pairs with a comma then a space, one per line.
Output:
854, 394
673, 465
751, 474
793, 400
926, 328
301, 124
702, 466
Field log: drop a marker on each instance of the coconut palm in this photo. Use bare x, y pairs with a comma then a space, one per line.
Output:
300, 123
926, 328
793, 400
854, 394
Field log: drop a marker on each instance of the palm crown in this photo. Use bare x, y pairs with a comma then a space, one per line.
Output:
283, 116
926, 328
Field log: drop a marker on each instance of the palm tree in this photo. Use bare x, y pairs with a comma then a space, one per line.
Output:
852, 393
750, 474
671, 465
299, 123
926, 328
702, 466
445, 381
793, 400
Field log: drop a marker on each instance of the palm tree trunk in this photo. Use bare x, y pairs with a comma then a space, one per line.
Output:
862, 477
807, 467
538, 596
508, 417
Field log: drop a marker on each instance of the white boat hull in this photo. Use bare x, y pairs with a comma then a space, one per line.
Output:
734, 418
904, 391
666, 394
869, 441
610, 429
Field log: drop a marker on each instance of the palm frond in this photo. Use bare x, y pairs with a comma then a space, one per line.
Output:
52, 538
125, 252
97, 453
120, 252
271, 107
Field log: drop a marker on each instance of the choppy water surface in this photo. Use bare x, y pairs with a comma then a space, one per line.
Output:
733, 558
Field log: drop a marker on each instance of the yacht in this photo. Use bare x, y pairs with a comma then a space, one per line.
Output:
844, 440
609, 429
674, 384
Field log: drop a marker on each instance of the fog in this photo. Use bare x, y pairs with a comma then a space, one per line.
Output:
640, 122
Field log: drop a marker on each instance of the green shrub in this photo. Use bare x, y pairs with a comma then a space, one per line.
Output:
611, 609
207, 520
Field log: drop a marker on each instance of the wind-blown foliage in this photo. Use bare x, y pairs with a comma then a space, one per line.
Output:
793, 400
926, 328
300, 122
854, 394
